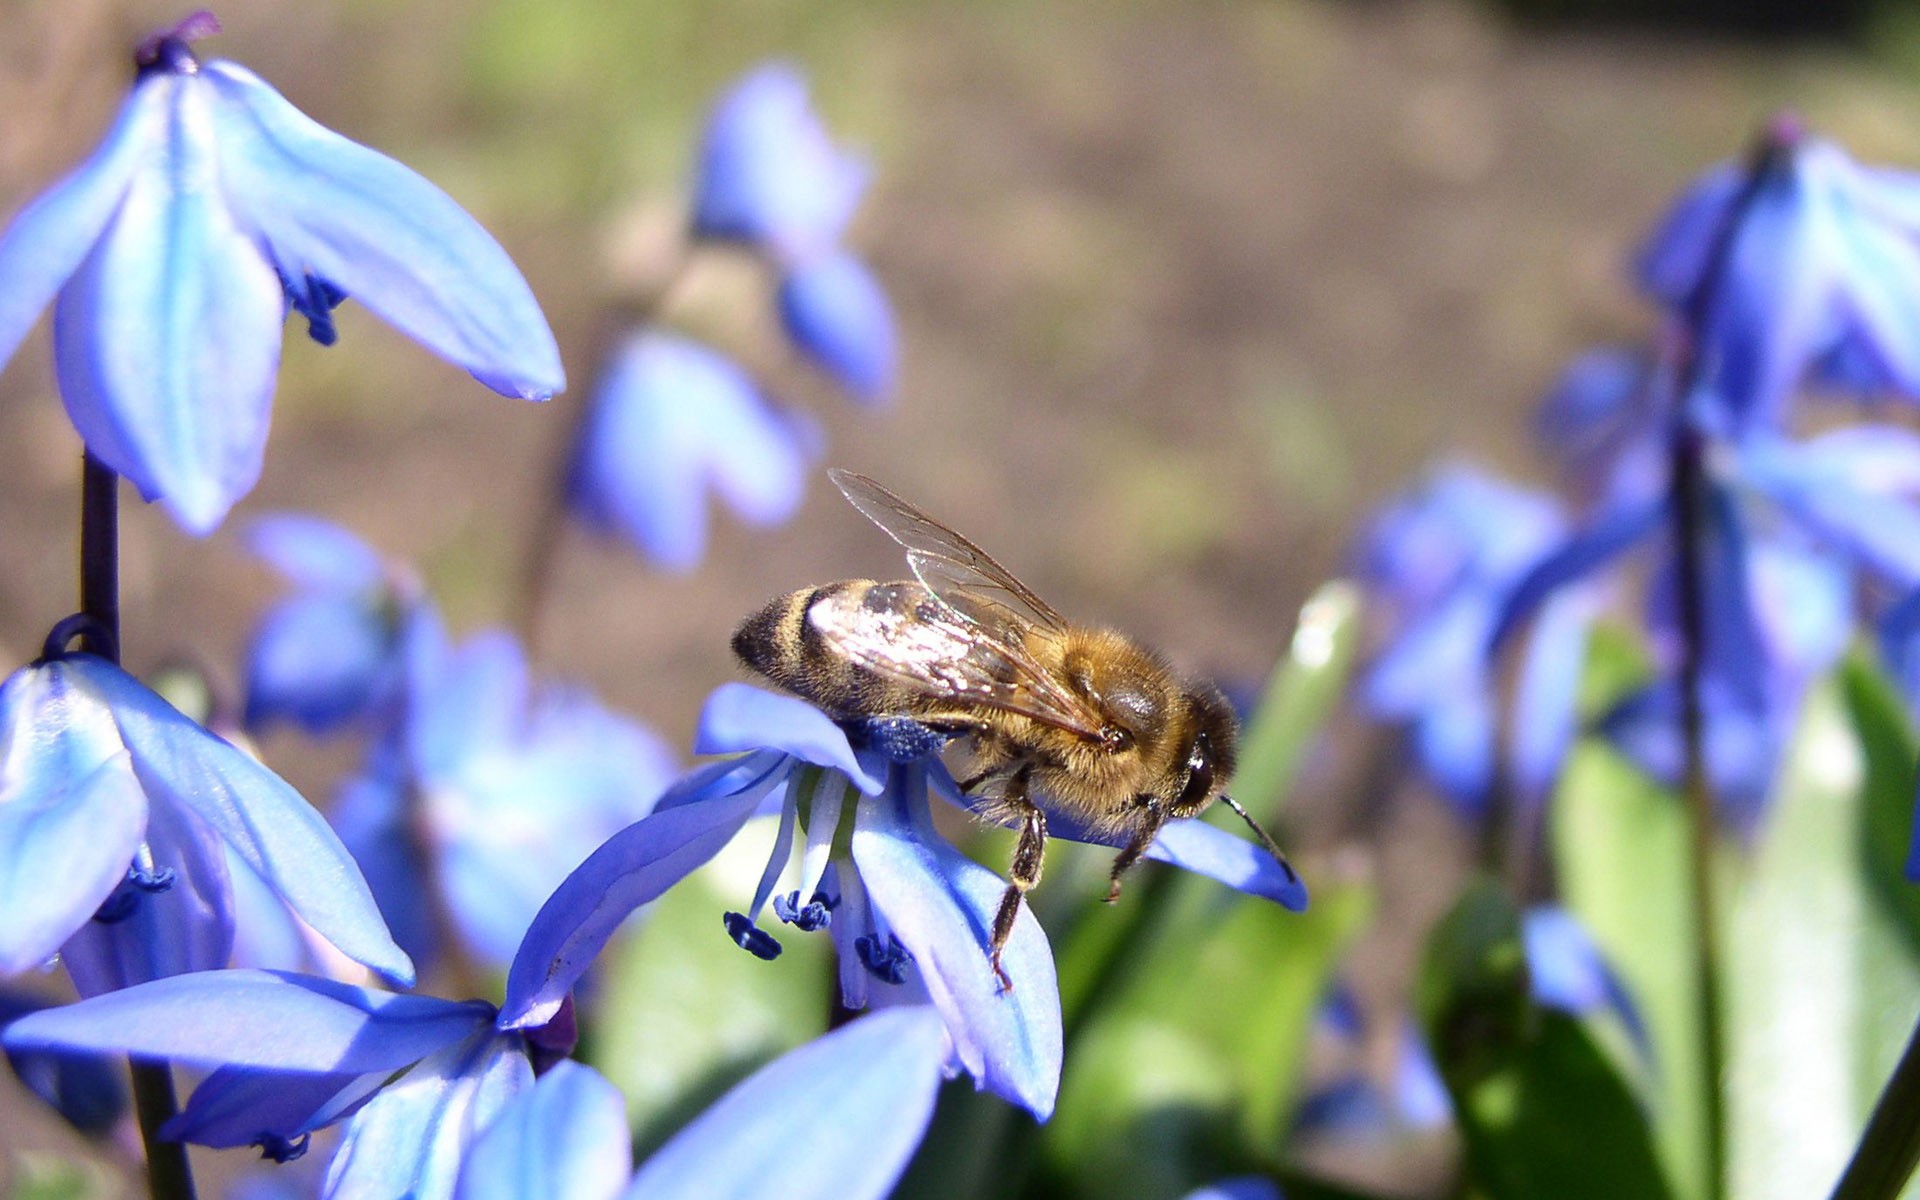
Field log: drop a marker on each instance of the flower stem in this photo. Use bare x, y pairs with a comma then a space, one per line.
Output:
1890, 1148
1689, 505
541, 556
169, 1177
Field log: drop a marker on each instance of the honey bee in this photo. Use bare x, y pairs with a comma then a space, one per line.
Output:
1083, 723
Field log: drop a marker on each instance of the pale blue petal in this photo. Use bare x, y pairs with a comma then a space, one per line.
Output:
313, 553
1418, 1091
836, 1119
1882, 531
769, 174
836, 314
373, 816
411, 1139
1673, 259
469, 702
632, 869
1225, 856
565, 1138
671, 420
273, 830
71, 813
188, 926
260, 1019
167, 338
738, 717
47, 241
1434, 657
333, 209
1611, 534
941, 905
265, 934
1454, 741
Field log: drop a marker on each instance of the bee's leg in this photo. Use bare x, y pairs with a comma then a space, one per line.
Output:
1028, 856
1143, 836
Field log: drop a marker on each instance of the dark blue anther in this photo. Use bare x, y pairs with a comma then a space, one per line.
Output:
900, 739
750, 937
152, 880
888, 963
315, 299
816, 913
280, 1149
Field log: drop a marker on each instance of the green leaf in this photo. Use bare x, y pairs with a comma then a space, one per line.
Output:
1823, 985
684, 1014
1191, 1058
38, 1176
1621, 851
1887, 743
1302, 691
1541, 1107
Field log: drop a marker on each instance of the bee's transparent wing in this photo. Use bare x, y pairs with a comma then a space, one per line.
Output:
955, 570
903, 633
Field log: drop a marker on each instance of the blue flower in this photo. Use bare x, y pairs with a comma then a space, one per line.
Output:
114, 809
769, 175
212, 209
1821, 274
500, 787
837, 316
565, 1138
330, 654
836, 1119
1352, 1105
1240, 1187
671, 420
87, 1090
416, 1078
1440, 563
1566, 971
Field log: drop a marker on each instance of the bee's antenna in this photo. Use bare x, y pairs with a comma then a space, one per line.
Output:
1266, 839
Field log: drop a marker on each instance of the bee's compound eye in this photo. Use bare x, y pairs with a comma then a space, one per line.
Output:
1199, 774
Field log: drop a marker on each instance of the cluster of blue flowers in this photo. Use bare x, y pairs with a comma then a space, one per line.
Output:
210, 918
1795, 272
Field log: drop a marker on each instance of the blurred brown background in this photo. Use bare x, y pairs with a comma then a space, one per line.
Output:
1184, 288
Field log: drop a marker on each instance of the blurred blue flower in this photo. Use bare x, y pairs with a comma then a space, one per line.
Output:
87, 1090
836, 314
490, 789
175, 252
1440, 563
1240, 1187
836, 1119
908, 913
416, 1078
671, 420
1820, 273
1567, 972
769, 175
330, 654
1351, 1104
113, 813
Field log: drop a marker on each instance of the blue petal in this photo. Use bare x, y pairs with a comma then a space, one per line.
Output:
186, 926
1567, 971
1240, 1187
1600, 401
1419, 1093
259, 1019
85, 1089
411, 1139
319, 661
671, 419
167, 338
248, 1106
314, 553
467, 703
1825, 486
836, 1119
739, 717
1673, 259
1546, 699
374, 819
565, 1138
633, 868
1196, 846
1434, 658
47, 241
273, 830
330, 208
1454, 741
1611, 534
71, 813
941, 906
837, 315
769, 174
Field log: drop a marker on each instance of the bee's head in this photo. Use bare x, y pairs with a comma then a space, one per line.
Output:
1211, 751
